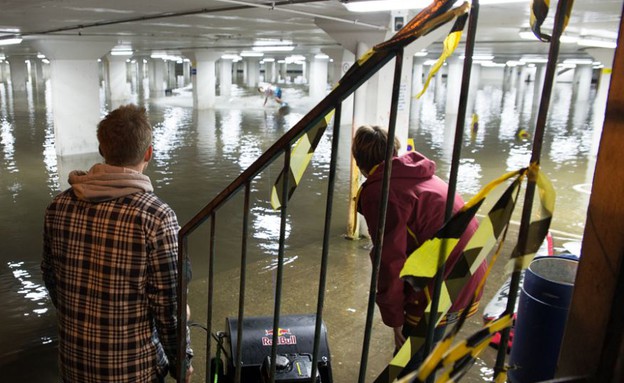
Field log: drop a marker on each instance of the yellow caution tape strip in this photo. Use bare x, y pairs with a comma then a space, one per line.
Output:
300, 158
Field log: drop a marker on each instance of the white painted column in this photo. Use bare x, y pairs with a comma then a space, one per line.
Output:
38, 72
583, 87
453, 84
270, 72
205, 79
75, 93
118, 78
19, 73
347, 59
540, 75
253, 71
318, 77
225, 77
157, 86
438, 90
186, 71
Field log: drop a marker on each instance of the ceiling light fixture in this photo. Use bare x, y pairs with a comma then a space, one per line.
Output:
251, 54
598, 43
121, 52
10, 40
273, 48
321, 56
392, 5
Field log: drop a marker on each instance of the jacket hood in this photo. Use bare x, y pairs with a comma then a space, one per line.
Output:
409, 165
105, 182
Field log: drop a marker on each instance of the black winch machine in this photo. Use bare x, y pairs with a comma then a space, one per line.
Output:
294, 351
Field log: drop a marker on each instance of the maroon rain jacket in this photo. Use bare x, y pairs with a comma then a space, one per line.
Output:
416, 201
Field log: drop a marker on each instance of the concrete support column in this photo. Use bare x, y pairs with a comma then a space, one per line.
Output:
583, 86
453, 84
157, 78
19, 73
205, 79
283, 72
253, 71
270, 72
540, 74
75, 93
225, 77
438, 90
118, 78
38, 71
170, 74
318, 77
186, 72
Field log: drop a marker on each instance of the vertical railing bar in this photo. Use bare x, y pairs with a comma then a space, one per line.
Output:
211, 265
326, 233
182, 300
523, 233
452, 183
280, 261
396, 87
242, 286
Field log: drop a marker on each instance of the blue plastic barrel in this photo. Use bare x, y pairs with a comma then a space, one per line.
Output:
542, 312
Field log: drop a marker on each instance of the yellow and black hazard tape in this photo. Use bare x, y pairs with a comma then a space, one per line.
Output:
450, 44
479, 246
300, 158
476, 250
539, 11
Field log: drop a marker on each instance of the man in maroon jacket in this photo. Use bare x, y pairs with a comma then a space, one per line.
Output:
416, 211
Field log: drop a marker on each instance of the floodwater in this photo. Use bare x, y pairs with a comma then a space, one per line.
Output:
198, 153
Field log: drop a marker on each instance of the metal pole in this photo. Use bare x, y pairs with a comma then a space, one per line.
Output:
241, 290
452, 184
280, 264
326, 232
551, 66
383, 207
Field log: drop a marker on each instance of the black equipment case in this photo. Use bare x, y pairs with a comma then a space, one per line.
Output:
295, 348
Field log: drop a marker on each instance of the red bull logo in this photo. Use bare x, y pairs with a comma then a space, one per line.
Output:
284, 337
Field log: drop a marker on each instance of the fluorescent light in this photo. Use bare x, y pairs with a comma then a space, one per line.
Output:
321, 56
526, 34
513, 63
422, 53
391, 5
533, 60
593, 42
269, 59
251, 54
231, 57
10, 41
45, 61
578, 61
567, 39
121, 52
273, 48
480, 57
385, 5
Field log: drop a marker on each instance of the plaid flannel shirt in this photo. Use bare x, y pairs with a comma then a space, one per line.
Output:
110, 269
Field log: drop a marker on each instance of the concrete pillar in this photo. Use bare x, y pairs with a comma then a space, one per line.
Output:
75, 93
225, 76
157, 78
318, 77
283, 72
253, 71
118, 78
583, 86
540, 74
270, 71
38, 71
453, 84
205, 79
438, 90
186, 72
19, 73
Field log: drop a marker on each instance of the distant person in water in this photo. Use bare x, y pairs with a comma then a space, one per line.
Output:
271, 91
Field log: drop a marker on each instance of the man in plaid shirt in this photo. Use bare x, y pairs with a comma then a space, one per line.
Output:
109, 263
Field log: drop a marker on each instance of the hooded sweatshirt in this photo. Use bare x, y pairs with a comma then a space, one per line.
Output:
110, 266
416, 211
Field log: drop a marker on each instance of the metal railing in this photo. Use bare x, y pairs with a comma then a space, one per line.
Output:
429, 19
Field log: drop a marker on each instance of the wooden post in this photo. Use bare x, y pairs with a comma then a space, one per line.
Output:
592, 342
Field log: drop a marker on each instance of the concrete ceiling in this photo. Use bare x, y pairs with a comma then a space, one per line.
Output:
231, 26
